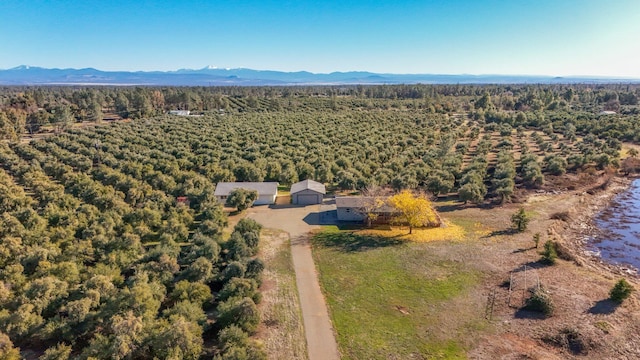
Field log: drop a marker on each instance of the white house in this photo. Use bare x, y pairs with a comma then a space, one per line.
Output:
307, 192
179, 112
267, 191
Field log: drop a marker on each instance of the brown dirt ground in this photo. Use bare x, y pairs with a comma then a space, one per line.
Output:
579, 286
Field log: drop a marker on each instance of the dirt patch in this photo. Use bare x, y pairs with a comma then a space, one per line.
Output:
582, 326
578, 287
281, 330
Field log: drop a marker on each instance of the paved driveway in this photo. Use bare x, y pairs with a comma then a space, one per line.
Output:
298, 221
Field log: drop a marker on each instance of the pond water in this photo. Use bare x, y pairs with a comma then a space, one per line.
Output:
619, 225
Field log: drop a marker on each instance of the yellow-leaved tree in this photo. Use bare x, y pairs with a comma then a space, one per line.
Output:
414, 210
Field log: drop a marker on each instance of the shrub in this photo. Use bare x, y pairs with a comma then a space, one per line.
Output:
550, 254
540, 301
620, 291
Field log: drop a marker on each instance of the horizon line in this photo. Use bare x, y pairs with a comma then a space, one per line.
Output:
210, 68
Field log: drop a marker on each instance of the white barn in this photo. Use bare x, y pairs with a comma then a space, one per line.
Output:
267, 191
307, 192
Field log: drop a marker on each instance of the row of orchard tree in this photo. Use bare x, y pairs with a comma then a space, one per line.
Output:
96, 263
348, 150
33, 109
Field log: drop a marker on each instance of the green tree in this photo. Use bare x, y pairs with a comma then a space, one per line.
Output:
177, 339
254, 270
503, 177
536, 239
7, 351
620, 291
240, 287
241, 199
556, 165
540, 301
59, 352
520, 220
550, 254
530, 171
62, 117
484, 102
197, 293
242, 312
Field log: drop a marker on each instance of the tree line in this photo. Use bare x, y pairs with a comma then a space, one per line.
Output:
34, 109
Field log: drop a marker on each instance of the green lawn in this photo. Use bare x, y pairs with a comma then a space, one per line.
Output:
394, 299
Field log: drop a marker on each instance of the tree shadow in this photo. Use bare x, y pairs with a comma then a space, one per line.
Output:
604, 307
500, 233
532, 265
521, 250
449, 208
523, 313
352, 242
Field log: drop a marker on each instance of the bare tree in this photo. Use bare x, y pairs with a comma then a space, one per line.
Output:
373, 199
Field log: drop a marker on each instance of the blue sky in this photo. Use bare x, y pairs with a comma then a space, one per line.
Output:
532, 37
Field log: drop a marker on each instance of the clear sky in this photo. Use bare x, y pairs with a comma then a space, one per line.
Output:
529, 37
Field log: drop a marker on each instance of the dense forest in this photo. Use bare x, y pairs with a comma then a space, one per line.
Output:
113, 243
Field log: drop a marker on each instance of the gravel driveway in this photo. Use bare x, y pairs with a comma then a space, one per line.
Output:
298, 221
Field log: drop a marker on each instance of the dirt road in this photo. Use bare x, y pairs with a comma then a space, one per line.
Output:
298, 221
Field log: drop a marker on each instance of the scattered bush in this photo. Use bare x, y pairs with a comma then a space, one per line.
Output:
572, 340
540, 301
563, 215
620, 291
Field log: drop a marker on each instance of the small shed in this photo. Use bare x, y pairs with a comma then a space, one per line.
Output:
307, 192
267, 191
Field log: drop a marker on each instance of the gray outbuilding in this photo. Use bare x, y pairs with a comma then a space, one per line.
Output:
307, 192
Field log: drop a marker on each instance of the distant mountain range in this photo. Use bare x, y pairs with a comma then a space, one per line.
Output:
209, 76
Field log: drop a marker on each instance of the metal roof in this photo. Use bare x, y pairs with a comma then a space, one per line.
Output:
359, 201
308, 185
263, 188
